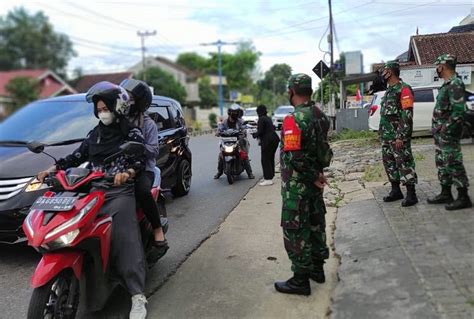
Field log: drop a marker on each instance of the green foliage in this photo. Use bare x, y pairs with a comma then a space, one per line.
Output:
29, 41
212, 120
275, 78
348, 134
164, 83
374, 173
192, 61
207, 95
197, 127
22, 91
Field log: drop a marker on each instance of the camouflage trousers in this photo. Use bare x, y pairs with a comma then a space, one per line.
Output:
448, 159
304, 232
399, 164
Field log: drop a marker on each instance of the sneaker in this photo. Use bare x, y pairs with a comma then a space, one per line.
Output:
138, 310
266, 182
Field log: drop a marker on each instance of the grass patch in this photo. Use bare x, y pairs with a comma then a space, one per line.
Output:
470, 302
374, 173
347, 134
418, 157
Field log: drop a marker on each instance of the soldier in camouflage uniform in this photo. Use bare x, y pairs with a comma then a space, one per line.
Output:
304, 154
447, 124
396, 126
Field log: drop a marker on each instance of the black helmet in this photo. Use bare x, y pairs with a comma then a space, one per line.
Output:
140, 92
115, 98
234, 111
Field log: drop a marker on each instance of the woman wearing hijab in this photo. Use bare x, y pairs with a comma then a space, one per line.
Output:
269, 141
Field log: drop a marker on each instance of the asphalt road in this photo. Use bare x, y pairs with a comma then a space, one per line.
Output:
192, 218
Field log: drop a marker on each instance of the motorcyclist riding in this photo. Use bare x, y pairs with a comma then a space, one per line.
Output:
111, 104
234, 121
141, 97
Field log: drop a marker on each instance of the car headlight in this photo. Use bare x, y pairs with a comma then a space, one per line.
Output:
73, 220
35, 185
228, 149
62, 241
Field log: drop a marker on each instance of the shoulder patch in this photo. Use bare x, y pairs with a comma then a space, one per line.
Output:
406, 98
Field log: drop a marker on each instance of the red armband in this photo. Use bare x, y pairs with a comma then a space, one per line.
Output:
406, 98
291, 134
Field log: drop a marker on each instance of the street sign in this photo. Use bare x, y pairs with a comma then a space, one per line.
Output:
234, 95
321, 69
338, 67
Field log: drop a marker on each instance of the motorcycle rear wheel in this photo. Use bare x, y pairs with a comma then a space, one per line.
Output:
53, 299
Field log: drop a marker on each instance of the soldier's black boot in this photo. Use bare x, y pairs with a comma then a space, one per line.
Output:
395, 193
411, 198
445, 197
318, 273
463, 200
296, 285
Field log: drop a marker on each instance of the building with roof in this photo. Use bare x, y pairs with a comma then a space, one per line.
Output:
416, 64
50, 84
187, 78
86, 81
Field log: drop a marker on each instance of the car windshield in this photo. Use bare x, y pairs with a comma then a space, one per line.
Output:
284, 110
250, 112
49, 122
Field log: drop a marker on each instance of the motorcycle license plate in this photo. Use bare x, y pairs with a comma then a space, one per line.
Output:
228, 158
229, 139
54, 203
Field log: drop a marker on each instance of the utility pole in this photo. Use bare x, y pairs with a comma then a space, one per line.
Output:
219, 44
331, 39
142, 35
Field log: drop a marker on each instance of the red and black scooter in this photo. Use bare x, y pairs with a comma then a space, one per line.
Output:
67, 227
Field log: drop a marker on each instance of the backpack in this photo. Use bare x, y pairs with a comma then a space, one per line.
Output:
325, 152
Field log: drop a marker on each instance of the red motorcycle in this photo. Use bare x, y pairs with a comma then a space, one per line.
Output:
67, 227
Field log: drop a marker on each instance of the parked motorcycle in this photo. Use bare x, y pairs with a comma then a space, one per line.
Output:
66, 226
232, 153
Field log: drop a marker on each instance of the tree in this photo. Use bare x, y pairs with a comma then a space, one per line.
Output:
206, 94
164, 83
192, 61
29, 41
238, 67
276, 78
22, 90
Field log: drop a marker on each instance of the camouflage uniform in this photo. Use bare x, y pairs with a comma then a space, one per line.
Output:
303, 209
447, 125
396, 122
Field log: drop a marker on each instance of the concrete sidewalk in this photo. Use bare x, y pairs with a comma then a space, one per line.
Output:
232, 274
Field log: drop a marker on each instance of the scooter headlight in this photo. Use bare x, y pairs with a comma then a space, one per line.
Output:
73, 220
62, 241
229, 149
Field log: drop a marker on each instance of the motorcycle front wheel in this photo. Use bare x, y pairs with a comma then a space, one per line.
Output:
59, 298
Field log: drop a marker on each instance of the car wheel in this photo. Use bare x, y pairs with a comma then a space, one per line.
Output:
183, 180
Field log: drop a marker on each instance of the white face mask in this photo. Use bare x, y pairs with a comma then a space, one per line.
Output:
106, 117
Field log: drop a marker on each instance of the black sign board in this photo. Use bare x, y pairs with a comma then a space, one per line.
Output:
321, 69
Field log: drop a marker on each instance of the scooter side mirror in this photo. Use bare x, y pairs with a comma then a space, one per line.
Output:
132, 148
35, 147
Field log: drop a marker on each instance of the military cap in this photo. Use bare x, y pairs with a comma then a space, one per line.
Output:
391, 65
299, 80
446, 59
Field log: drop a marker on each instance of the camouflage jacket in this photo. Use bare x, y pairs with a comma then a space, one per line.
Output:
301, 166
396, 114
448, 114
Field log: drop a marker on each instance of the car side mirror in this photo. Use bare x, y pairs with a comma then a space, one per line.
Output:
132, 148
35, 147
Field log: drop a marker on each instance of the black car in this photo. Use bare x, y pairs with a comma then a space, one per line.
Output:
62, 123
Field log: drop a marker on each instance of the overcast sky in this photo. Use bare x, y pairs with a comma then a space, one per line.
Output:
104, 33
